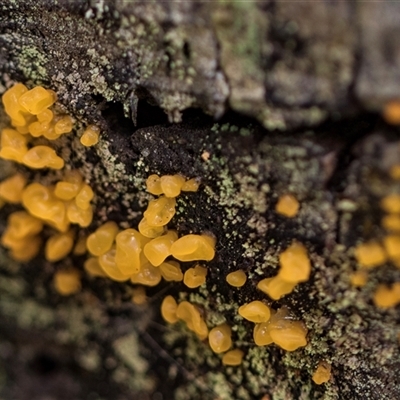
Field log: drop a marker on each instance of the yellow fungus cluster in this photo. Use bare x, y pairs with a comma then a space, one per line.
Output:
143, 256
375, 253
287, 206
31, 118
295, 267
173, 312
282, 330
322, 374
171, 185
44, 205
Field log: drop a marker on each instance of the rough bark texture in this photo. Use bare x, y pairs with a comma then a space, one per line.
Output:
296, 88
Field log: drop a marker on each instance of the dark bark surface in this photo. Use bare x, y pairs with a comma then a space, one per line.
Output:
257, 100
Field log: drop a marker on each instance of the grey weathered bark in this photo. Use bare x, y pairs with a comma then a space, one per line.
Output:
296, 88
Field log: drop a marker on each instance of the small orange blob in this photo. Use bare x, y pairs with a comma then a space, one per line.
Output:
171, 271
150, 231
36, 100
148, 275
391, 112
59, 246
386, 296
67, 282
153, 185
194, 247
256, 311
42, 157
287, 333
190, 314
237, 278
109, 266
171, 185
21, 224
359, 278
191, 185
93, 268
261, 334
392, 246
160, 211
195, 277
100, 241
84, 197
12, 106
322, 374
63, 125
90, 136
168, 310
66, 190
79, 216
219, 338
13, 145
11, 189
287, 206
370, 255
129, 248
391, 222
158, 249
233, 358
295, 264
391, 203
275, 287
26, 249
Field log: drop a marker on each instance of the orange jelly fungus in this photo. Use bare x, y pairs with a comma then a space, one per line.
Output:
195, 277
42, 157
21, 224
160, 211
359, 278
109, 266
77, 215
261, 334
171, 185
148, 275
129, 248
90, 136
237, 278
36, 100
41, 203
256, 311
168, 310
287, 206
370, 254
93, 268
67, 282
101, 240
66, 190
295, 265
59, 246
322, 374
190, 314
287, 333
392, 246
153, 185
150, 231
12, 107
171, 271
191, 185
391, 222
391, 112
220, 339
386, 296
158, 249
391, 203
84, 197
13, 145
275, 287
194, 247
233, 358
11, 189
